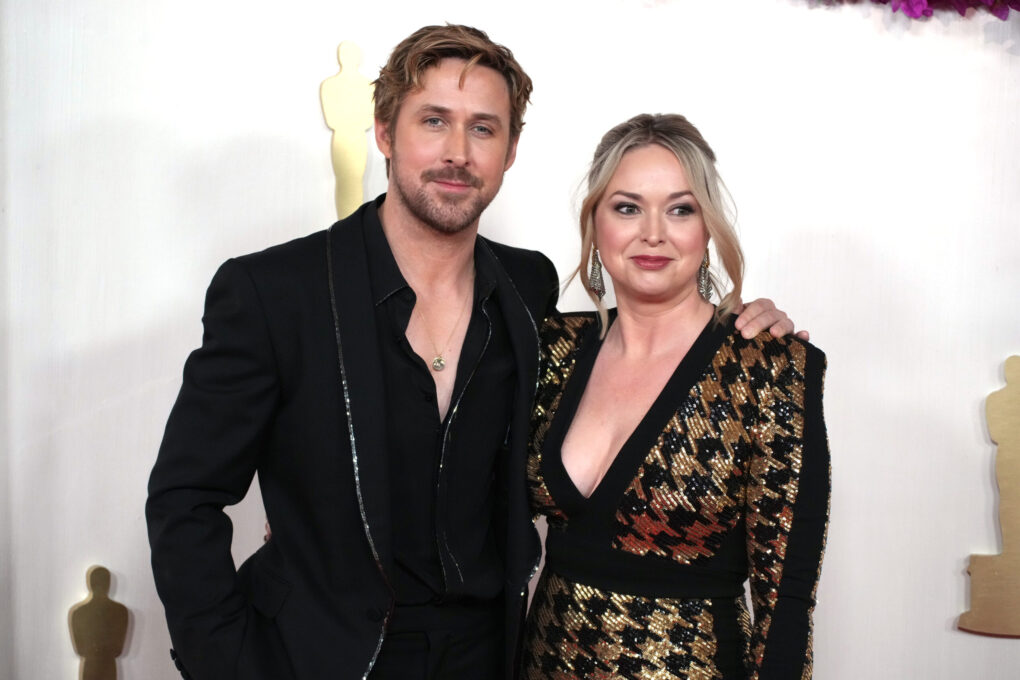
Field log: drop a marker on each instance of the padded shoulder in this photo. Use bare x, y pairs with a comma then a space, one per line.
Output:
532, 274
295, 255
790, 345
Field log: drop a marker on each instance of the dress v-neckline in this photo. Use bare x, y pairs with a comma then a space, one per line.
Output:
631, 455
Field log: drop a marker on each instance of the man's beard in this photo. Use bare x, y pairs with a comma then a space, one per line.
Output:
447, 215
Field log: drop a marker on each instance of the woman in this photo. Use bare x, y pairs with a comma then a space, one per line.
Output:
672, 458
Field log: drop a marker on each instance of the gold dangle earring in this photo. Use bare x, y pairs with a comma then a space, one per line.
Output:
704, 280
595, 282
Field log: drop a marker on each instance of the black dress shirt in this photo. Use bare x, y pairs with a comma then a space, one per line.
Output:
442, 473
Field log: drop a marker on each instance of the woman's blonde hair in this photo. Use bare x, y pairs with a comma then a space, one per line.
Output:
675, 133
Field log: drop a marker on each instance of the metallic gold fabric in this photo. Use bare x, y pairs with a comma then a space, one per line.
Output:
576, 631
731, 454
557, 367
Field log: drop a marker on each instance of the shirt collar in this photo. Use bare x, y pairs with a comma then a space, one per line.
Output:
384, 275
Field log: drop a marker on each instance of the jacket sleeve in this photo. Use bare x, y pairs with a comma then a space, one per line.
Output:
787, 514
553, 293
207, 460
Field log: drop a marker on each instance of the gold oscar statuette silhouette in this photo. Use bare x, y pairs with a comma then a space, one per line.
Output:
995, 579
348, 109
98, 628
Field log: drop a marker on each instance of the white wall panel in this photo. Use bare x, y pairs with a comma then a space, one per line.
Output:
6, 575
872, 158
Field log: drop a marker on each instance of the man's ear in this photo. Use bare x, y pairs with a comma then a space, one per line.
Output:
511, 154
383, 138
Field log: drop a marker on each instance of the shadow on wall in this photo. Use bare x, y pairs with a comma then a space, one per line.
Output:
6, 510
1004, 33
111, 284
6, 398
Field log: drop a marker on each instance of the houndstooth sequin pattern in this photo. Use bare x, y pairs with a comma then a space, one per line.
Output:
577, 631
731, 453
732, 445
558, 361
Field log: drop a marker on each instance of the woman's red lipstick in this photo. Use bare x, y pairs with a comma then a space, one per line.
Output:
651, 261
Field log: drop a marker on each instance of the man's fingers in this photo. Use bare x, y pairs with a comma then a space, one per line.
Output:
772, 320
749, 312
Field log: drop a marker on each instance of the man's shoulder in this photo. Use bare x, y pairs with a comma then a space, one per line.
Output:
284, 275
289, 270
296, 252
310, 251
531, 275
519, 261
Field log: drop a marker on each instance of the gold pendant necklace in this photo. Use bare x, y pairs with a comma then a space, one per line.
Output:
438, 362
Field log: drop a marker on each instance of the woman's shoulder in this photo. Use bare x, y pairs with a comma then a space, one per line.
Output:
775, 353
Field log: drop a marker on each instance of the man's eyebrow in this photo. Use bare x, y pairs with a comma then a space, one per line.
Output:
433, 108
488, 117
443, 110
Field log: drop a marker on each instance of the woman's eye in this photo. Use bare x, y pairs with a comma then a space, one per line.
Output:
683, 210
625, 208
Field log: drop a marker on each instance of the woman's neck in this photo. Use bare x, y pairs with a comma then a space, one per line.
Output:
650, 331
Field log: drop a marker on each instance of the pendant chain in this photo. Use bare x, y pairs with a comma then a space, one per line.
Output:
438, 362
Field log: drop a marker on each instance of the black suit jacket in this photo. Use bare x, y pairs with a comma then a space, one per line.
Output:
287, 383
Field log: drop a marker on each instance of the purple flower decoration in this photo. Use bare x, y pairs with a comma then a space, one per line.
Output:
912, 8
915, 9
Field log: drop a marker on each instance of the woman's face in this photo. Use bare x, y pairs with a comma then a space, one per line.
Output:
649, 230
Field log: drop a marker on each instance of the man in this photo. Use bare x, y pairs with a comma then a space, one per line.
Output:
378, 376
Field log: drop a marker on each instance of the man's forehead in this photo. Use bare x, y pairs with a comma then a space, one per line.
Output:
469, 76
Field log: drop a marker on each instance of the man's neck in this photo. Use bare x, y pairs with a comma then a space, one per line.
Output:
428, 259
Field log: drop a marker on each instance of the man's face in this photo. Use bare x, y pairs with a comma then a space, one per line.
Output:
450, 145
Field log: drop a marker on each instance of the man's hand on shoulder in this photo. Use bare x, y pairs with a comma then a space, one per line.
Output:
761, 315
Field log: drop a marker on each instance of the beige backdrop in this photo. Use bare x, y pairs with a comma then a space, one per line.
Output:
873, 160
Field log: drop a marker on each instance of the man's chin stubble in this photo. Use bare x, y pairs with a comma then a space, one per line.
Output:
442, 216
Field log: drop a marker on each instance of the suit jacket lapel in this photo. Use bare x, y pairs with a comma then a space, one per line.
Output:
362, 397
523, 328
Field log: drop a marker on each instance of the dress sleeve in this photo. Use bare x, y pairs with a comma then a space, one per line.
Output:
787, 515
207, 460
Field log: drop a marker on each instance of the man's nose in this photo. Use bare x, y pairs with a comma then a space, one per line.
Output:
456, 152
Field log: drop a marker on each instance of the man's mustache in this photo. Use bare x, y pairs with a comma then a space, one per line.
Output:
459, 175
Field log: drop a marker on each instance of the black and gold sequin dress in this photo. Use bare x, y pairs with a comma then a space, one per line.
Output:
726, 479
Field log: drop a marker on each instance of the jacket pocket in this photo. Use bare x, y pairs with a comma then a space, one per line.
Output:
269, 592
